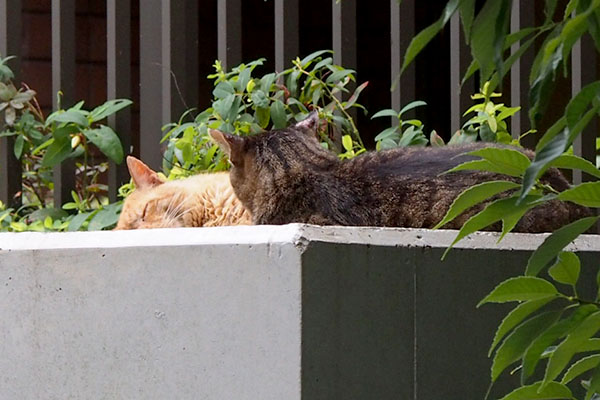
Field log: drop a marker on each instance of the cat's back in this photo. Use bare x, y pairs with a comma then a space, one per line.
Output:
414, 161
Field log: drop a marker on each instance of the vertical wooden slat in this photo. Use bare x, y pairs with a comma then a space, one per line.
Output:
179, 57
402, 23
584, 71
344, 33
229, 20
63, 73
151, 96
286, 33
118, 64
522, 15
10, 44
460, 58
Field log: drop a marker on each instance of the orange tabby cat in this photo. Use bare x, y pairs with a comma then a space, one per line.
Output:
200, 200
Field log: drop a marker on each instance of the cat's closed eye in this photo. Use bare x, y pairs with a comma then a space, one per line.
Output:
144, 212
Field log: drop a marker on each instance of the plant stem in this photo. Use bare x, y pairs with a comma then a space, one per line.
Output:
337, 102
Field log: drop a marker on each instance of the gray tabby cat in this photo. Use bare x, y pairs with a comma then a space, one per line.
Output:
285, 176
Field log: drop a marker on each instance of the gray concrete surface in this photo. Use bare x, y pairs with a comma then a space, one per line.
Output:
262, 312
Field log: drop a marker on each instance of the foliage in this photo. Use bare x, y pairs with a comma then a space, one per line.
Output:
405, 133
245, 104
489, 121
547, 323
41, 143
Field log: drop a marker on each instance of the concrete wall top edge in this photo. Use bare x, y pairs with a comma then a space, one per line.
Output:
297, 234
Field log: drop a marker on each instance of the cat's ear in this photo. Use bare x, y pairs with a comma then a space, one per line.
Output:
310, 123
142, 175
232, 145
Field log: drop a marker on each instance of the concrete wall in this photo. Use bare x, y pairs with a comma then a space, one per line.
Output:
286, 312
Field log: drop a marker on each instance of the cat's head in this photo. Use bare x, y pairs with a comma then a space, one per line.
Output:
154, 203
270, 158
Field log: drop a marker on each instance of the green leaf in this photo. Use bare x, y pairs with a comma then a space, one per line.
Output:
109, 108
587, 194
568, 161
107, 142
267, 81
474, 195
322, 63
566, 268
105, 218
243, 79
489, 28
513, 318
581, 366
550, 336
556, 128
553, 390
541, 87
260, 99
304, 62
482, 165
583, 122
553, 149
385, 113
347, 142
75, 116
388, 133
463, 136
467, 13
510, 162
263, 116
565, 351
571, 32
436, 140
77, 221
57, 152
521, 288
580, 102
517, 342
410, 106
594, 389
278, 115
494, 212
549, 9
223, 90
223, 106
339, 75
18, 148
42, 213
424, 37
352, 99
555, 243
594, 28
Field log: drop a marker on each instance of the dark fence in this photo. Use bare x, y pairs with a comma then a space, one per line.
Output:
179, 40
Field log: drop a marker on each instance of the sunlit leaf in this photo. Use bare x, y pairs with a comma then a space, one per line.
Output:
513, 318
544, 156
565, 351
569, 161
552, 390
517, 342
521, 288
474, 195
539, 346
566, 268
494, 212
581, 366
555, 243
